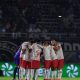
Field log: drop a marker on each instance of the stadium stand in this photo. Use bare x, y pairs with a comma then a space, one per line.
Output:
42, 19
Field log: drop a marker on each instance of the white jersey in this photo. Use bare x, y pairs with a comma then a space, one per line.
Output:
24, 55
59, 52
53, 54
36, 50
46, 52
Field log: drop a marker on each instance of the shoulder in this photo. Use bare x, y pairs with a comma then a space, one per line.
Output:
24, 44
59, 44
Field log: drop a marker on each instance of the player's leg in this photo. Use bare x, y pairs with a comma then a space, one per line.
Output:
18, 72
31, 69
59, 74
54, 74
27, 70
47, 74
44, 75
54, 67
35, 64
43, 68
60, 66
47, 64
14, 73
21, 70
34, 74
35, 77
27, 74
31, 74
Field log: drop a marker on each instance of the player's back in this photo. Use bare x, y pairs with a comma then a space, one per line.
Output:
53, 54
24, 51
46, 52
59, 52
34, 48
35, 54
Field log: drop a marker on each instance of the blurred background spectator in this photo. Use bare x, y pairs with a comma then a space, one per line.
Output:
43, 16
21, 20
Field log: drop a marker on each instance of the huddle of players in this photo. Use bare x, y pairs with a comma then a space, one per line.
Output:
30, 60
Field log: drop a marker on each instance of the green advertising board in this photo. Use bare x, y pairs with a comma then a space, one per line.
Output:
69, 70
7, 68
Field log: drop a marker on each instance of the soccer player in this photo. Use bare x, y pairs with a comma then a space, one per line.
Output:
24, 60
54, 62
60, 57
47, 60
35, 60
16, 61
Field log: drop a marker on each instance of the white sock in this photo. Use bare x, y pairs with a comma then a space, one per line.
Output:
60, 73
54, 74
21, 70
47, 74
28, 74
32, 73
44, 73
36, 74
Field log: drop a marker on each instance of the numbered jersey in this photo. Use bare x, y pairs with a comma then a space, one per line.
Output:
46, 52
36, 50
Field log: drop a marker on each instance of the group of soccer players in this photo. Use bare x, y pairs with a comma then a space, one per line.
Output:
30, 60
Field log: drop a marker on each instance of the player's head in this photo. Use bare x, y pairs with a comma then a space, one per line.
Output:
53, 42
25, 44
46, 43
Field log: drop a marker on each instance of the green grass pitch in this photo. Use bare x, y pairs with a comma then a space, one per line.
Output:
40, 78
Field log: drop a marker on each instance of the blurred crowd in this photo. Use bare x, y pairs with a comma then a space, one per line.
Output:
39, 16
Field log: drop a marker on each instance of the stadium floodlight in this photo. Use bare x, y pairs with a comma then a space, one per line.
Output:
59, 16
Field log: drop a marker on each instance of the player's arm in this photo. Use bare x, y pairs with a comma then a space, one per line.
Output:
23, 49
56, 47
40, 46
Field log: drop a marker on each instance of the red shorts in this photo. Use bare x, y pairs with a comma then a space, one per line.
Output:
34, 64
20, 60
47, 64
54, 64
24, 64
60, 64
